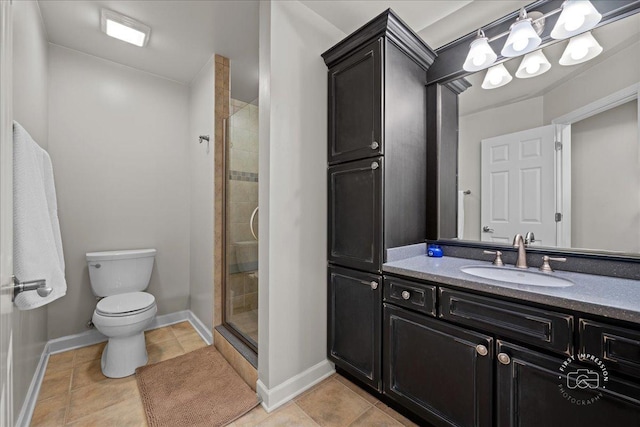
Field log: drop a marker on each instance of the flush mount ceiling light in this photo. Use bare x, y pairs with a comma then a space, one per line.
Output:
124, 28
580, 49
480, 54
533, 64
577, 16
496, 76
523, 37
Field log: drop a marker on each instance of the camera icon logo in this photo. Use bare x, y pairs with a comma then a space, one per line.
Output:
583, 378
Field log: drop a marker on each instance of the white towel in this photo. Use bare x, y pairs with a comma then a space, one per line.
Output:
37, 244
460, 214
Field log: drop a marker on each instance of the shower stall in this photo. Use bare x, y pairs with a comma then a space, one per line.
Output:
240, 312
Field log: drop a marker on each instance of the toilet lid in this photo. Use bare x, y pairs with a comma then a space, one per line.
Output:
122, 304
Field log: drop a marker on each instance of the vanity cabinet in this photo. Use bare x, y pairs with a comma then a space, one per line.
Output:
376, 177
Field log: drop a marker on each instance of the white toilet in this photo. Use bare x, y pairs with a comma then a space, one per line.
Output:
125, 311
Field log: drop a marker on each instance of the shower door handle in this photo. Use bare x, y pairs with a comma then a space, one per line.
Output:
253, 216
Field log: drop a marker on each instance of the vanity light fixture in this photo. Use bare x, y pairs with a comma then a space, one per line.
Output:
533, 64
124, 28
481, 55
523, 37
496, 76
580, 49
577, 16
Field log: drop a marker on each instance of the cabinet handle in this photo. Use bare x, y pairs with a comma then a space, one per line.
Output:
374, 145
482, 350
375, 165
405, 295
374, 285
504, 358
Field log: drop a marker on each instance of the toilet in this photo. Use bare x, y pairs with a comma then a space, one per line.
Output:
124, 310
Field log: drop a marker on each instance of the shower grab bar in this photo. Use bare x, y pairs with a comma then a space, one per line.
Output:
253, 215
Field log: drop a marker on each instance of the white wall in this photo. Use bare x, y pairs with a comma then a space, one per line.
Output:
30, 109
201, 122
293, 193
117, 140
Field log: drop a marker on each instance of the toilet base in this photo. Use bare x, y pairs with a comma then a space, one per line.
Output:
123, 355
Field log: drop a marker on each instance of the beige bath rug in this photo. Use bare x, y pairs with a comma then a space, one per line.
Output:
196, 389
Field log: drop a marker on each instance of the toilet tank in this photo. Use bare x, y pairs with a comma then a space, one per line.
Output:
117, 272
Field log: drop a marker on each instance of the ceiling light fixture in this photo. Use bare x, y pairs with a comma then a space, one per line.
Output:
580, 49
496, 76
577, 16
480, 54
533, 64
523, 37
124, 28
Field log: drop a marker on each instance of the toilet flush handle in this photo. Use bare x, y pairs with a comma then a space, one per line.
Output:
95, 265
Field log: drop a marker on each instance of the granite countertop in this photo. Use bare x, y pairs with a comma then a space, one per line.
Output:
599, 295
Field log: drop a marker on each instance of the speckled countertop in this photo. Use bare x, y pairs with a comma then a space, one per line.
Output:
598, 295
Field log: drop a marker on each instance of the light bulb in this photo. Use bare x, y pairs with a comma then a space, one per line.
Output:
574, 22
520, 44
533, 67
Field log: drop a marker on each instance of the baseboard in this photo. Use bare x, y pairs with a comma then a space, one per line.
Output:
84, 339
283, 393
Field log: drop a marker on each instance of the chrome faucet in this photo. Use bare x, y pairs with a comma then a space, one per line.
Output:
518, 242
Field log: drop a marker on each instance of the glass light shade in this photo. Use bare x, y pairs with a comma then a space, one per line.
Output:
533, 64
480, 55
496, 76
580, 49
577, 16
124, 28
522, 39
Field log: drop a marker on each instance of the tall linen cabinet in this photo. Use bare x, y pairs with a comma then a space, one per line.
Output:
377, 179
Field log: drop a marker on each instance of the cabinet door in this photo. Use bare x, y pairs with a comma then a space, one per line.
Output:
355, 214
532, 391
441, 372
355, 105
354, 306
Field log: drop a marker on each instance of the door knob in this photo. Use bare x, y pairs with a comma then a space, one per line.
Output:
482, 350
39, 286
486, 229
504, 358
374, 285
375, 165
374, 145
406, 295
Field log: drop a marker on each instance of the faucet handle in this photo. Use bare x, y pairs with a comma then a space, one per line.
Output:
498, 260
545, 267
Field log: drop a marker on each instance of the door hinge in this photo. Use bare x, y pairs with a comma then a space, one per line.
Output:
558, 217
558, 145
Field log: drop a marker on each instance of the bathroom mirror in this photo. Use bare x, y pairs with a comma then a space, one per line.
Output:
557, 154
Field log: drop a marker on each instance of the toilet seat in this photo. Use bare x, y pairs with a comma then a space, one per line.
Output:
127, 304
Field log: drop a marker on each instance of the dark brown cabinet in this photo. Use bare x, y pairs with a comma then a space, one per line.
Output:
354, 323
441, 372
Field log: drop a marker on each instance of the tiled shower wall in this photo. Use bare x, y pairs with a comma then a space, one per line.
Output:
242, 200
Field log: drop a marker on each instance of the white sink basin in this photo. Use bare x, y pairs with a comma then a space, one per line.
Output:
520, 277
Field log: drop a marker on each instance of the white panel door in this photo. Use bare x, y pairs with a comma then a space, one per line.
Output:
6, 218
518, 186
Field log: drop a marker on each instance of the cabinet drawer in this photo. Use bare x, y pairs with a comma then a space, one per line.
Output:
618, 348
547, 329
415, 296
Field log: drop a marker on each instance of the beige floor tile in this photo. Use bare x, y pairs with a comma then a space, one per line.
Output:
129, 413
374, 417
159, 335
86, 401
164, 350
182, 328
91, 352
60, 361
86, 374
190, 342
55, 383
288, 416
252, 418
333, 404
395, 415
357, 390
50, 412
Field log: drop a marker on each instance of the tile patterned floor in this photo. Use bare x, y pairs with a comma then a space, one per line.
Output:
75, 393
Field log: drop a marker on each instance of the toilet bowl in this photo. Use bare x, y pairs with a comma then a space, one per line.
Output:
125, 311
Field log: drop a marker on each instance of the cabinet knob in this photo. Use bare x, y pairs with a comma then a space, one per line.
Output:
405, 295
374, 165
374, 145
504, 358
374, 285
482, 350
